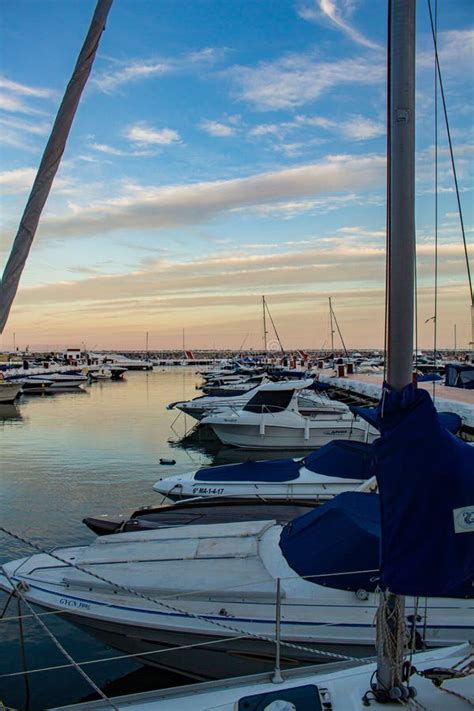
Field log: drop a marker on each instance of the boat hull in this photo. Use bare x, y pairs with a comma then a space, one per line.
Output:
286, 438
9, 392
212, 659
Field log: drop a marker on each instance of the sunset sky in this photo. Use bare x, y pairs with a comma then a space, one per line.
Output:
225, 149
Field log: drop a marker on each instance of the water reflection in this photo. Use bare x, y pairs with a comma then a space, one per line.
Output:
66, 457
10, 411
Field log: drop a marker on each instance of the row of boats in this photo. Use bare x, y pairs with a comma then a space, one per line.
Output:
193, 585
52, 378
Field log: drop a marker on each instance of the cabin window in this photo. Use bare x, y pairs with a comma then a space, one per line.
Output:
269, 401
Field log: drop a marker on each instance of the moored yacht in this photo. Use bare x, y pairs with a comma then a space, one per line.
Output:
271, 420
217, 584
337, 467
9, 391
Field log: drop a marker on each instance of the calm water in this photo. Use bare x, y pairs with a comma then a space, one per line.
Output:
66, 456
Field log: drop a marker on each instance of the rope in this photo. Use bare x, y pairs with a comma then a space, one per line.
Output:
172, 608
439, 675
24, 662
87, 662
58, 644
274, 328
391, 635
388, 215
435, 319
339, 332
453, 164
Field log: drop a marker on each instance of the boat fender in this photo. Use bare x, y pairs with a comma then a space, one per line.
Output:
163, 460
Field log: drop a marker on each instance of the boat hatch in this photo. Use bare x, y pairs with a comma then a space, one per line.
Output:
301, 697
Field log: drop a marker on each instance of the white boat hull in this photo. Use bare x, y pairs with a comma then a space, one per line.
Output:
213, 584
289, 438
9, 391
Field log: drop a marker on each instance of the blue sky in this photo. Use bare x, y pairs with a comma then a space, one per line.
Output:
223, 150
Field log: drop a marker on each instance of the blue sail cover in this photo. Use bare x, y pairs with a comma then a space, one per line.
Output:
426, 484
336, 541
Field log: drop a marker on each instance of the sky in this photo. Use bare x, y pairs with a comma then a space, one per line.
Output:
223, 150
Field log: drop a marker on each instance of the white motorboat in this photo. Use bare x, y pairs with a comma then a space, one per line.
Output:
9, 391
217, 585
232, 385
62, 381
308, 401
96, 373
271, 420
337, 686
337, 467
34, 386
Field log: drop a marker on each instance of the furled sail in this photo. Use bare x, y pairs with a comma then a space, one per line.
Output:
426, 483
50, 162
419, 530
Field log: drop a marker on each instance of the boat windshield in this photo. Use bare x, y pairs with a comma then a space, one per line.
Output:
269, 401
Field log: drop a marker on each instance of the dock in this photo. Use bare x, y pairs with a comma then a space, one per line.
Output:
447, 399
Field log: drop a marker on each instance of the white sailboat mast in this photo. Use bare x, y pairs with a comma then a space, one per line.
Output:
400, 280
401, 194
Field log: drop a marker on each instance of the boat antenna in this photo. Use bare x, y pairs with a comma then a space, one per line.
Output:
400, 288
50, 162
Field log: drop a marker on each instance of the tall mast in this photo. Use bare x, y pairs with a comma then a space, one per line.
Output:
264, 325
331, 326
50, 162
400, 280
401, 198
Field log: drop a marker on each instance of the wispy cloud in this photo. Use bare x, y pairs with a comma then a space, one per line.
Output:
355, 128
143, 134
17, 181
120, 73
217, 129
179, 205
336, 15
25, 90
298, 79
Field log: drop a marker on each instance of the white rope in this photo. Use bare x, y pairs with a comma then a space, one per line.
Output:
58, 644
102, 660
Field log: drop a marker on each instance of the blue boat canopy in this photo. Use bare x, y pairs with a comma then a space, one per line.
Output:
459, 376
340, 458
265, 470
428, 378
337, 544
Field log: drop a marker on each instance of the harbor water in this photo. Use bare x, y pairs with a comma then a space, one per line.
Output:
67, 456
